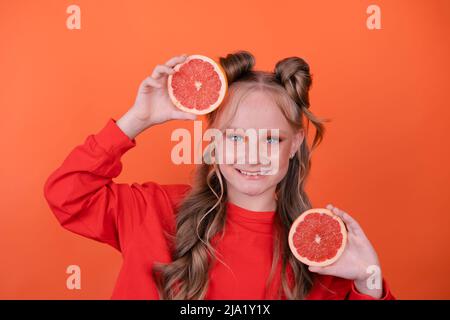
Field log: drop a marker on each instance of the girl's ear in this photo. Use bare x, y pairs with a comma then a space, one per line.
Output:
296, 142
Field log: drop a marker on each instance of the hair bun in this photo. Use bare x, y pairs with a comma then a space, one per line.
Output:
293, 73
237, 64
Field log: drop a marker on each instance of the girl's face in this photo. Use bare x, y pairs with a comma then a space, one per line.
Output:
244, 175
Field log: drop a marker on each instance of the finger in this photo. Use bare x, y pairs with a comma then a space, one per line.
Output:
340, 214
176, 60
350, 222
150, 82
161, 70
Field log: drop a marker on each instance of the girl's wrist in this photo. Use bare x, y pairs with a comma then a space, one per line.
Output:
362, 286
131, 125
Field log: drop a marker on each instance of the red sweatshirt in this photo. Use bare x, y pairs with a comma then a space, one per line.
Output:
132, 218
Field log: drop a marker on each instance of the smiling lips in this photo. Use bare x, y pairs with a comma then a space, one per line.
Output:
253, 174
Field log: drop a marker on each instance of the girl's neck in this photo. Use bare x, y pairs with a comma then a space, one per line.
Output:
262, 202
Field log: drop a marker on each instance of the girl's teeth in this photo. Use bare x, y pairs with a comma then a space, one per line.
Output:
252, 173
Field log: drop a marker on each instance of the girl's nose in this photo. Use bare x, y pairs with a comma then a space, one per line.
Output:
253, 153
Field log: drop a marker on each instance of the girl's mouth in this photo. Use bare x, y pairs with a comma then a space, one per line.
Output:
252, 175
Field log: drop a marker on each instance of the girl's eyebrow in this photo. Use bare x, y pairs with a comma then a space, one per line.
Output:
268, 130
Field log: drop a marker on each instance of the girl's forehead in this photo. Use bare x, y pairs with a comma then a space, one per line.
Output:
264, 116
257, 130
257, 109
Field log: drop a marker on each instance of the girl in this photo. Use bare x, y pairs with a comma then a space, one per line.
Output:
224, 237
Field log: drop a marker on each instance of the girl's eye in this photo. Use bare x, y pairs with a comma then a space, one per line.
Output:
235, 138
272, 140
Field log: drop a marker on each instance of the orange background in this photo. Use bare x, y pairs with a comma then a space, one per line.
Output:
384, 158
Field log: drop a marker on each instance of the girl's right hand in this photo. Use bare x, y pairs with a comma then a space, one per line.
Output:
153, 104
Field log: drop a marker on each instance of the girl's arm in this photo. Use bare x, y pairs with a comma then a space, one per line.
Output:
82, 195
85, 200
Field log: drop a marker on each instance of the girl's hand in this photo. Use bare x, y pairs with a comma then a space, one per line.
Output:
152, 104
357, 257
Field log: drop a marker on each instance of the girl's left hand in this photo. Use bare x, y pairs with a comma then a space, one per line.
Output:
356, 259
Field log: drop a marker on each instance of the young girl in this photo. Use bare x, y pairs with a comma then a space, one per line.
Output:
224, 237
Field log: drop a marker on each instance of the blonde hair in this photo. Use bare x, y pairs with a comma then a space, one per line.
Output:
201, 216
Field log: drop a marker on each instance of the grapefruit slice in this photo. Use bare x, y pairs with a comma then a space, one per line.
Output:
317, 237
198, 85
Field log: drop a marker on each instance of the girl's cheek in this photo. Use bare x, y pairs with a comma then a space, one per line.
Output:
280, 159
234, 153
229, 153
224, 152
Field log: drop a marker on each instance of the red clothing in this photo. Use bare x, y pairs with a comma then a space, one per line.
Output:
132, 217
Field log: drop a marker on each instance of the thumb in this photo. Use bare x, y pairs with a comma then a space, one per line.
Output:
184, 115
322, 270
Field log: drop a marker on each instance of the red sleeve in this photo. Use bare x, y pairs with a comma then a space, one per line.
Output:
85, 200
329, 287
354, 294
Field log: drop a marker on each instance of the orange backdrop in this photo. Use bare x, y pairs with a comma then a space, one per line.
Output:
384, 158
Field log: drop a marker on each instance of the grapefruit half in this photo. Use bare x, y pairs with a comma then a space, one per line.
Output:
317, 237
198, 85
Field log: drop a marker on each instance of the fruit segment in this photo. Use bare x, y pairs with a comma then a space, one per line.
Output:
198, 86
317, 237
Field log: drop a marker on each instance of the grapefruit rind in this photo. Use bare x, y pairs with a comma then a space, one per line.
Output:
293, 231
223, 79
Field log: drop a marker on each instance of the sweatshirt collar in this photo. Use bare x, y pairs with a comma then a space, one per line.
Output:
260, 221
